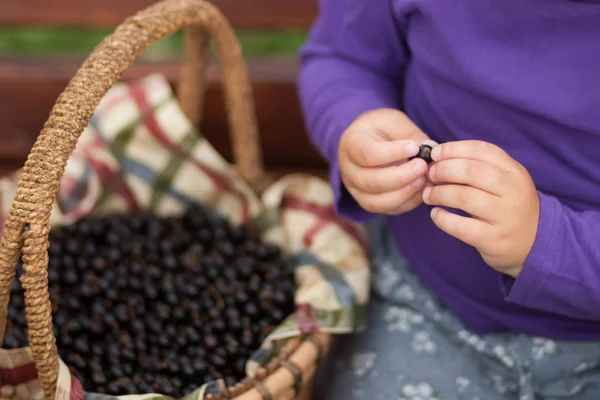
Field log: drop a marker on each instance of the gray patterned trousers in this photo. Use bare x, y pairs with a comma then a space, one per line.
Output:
415, 349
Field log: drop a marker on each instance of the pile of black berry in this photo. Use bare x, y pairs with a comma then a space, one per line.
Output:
145, 304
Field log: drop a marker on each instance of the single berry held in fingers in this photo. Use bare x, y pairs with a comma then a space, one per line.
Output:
424, 153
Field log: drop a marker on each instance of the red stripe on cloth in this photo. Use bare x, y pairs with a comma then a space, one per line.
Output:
18, 375
114, 181
98, 143
76, 389
114, 101
315, 229
325, 215
148, 116
306, 319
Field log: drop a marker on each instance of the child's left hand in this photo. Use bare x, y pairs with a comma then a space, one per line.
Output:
498, 192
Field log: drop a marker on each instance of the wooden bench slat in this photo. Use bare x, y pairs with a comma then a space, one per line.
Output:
256, 14
29, 88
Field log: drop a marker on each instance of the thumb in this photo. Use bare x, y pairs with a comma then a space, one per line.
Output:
368, 151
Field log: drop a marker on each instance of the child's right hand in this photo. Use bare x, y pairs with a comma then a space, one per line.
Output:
373, 158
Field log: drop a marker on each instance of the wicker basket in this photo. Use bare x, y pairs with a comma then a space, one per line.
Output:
27, 228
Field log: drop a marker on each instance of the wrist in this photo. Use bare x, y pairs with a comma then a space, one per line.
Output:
527, 234
513, 272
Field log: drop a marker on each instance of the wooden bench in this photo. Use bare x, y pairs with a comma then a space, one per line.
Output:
29, 86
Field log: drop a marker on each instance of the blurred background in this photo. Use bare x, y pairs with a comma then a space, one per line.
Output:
43, 43
57, 41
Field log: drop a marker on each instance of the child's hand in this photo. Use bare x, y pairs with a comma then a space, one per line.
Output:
372, 157
482, 180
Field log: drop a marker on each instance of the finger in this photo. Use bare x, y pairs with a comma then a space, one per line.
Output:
383, 203
476, 173
409, 204
473, 150
370, 152
380, 180
395, 125
430, 142
469, 230
474, 201
427, 142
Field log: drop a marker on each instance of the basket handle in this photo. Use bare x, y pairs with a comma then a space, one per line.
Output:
27, 227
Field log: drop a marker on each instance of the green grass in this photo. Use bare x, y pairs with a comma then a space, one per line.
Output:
43, 41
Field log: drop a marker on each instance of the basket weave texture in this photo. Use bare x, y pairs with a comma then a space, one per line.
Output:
295, 213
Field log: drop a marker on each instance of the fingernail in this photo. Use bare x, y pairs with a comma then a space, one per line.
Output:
418, 168
419, 183
426, 194
434, 212
411, 149
436, 152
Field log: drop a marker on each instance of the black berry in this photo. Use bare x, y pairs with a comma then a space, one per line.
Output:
424, 153
145, 304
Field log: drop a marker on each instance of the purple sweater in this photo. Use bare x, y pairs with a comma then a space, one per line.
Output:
523, 76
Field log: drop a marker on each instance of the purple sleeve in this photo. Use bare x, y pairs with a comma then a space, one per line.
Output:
562, 272
353, 62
